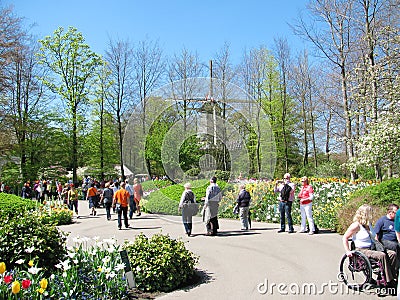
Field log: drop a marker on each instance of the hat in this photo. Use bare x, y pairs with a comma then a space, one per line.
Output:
187, 185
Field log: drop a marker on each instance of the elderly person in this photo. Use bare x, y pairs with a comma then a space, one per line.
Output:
361, 235
285, 205
243, 202
306, 196
211, 206
187, 199
137, 194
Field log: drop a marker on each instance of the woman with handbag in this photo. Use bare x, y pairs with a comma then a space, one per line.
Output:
188, 207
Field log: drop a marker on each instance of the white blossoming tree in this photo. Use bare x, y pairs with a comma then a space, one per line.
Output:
381, 145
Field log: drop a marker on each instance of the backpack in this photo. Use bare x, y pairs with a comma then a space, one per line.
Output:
189, 197
214, 192
285, 192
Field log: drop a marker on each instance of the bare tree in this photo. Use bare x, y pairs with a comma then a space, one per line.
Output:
283, 57
331, 33
182, 68
119, 57
149, 66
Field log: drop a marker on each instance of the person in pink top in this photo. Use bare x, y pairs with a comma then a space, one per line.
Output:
137, 194
306, 196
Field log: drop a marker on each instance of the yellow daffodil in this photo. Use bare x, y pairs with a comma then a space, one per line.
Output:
41, 290
15, 287
30, 263
100, 269
2, 267
43, 283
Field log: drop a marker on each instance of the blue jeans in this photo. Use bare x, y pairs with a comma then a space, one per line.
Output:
285, 208
108, 209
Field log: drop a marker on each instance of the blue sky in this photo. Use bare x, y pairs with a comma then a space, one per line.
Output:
198, 25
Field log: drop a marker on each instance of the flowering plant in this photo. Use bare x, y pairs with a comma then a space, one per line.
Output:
92, 269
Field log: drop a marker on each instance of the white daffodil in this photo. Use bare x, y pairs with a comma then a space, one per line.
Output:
106, 259
119, 267
34, 270
110, 275
29, 249
19, 261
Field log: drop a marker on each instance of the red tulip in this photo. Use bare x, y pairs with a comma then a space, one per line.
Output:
26, 283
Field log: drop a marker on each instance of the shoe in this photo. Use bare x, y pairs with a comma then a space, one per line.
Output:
108, 219
310, 233
281, 230
303, 231
119, 228
291, 231
139, 214
95, 212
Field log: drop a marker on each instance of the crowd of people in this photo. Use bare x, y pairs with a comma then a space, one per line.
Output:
123, 196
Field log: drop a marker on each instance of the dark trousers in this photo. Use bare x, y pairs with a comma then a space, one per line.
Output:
124, 211
188, 227
107, 205
285, 208
132, 206
212, 226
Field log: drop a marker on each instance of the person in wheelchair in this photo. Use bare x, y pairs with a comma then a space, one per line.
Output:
384, 229
361, 236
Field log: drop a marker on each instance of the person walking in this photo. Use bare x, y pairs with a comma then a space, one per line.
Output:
107, 199
132, 204
138, 194
286, 189
72, 197
211, 206
187, 199
306, 195
121, 202
243, 202
92, 198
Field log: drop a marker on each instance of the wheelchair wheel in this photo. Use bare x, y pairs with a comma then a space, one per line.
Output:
355, 271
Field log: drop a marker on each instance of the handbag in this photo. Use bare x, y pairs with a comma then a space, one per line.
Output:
236, 209
118, 207
378, 246
192, 208
375, 244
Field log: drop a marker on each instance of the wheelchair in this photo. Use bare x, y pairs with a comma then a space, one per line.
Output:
359, 272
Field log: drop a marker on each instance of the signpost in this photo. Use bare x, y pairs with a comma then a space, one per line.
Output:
128, 271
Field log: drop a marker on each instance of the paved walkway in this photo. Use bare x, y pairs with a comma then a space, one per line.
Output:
256, 264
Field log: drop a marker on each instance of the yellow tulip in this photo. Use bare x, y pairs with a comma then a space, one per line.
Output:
2, 267
15, 287
43, 283
30, 263
41, 290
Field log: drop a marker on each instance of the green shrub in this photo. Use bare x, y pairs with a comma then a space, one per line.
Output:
166, 200
160, 263
11, 205
378, 196
150, 185
58, 216
222, 175
26, 237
